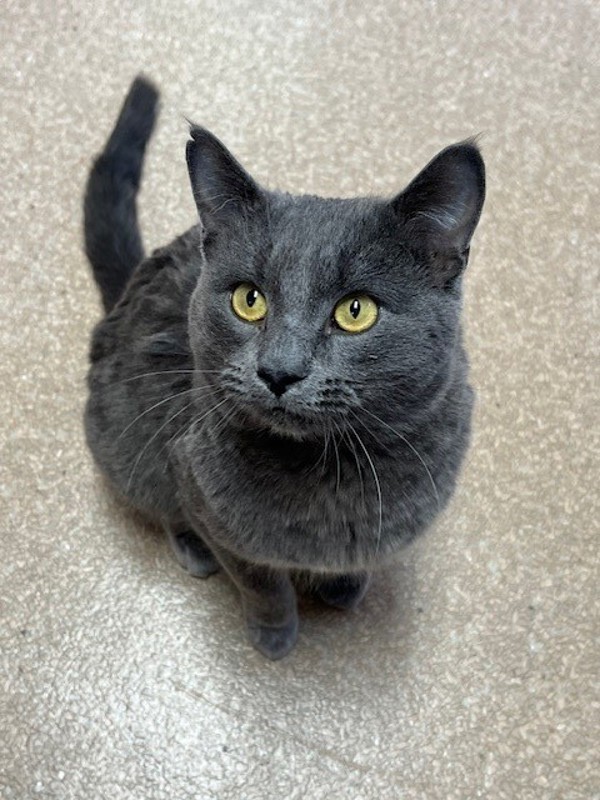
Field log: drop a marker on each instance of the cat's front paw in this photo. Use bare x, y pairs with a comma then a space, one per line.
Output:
193, 555
343, 591
274, 642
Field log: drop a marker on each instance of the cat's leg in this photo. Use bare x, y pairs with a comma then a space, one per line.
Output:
190, 550
269, 603
268, 595
343, 591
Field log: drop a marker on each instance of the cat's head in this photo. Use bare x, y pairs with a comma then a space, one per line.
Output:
310, 311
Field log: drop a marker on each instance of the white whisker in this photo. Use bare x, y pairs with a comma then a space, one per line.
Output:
186, 427
169, 372
315, 466
414, 450
162, 427
149, 442
228, 416
358, 468
325, 453
377, 484
338, 470
166, 400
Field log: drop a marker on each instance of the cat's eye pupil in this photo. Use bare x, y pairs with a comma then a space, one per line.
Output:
251, 297
355, 308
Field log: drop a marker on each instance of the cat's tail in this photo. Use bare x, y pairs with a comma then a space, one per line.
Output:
112, 237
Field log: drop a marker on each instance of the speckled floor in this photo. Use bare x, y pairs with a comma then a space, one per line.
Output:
472, 668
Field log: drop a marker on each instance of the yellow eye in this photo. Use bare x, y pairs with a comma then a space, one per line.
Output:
356, 313
248, 303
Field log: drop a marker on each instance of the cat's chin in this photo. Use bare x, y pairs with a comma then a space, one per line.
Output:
282, 422
291, 431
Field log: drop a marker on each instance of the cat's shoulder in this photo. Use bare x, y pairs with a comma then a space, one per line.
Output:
169, 271
156, 299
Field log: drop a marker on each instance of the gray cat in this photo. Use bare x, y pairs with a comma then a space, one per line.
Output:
284, 387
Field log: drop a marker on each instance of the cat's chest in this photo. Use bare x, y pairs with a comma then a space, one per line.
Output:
327, 508
325, 481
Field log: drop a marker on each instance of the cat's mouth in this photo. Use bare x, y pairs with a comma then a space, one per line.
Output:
282, 420
286, 422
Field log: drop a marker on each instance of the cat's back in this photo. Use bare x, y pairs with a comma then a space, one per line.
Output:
140, 372
155, 300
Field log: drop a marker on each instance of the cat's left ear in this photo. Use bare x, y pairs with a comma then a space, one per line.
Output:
222, 188
439, 210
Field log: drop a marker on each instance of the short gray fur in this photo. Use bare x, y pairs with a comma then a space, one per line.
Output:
317, 485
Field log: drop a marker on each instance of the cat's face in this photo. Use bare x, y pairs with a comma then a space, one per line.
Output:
313, 314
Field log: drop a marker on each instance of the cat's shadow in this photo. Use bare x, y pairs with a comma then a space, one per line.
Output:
381, 599
387, 612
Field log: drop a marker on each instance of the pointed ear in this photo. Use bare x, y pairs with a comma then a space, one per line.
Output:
439, 210
221, 186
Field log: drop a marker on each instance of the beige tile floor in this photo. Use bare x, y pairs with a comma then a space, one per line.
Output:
472, 669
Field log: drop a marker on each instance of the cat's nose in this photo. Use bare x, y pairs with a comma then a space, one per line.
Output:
278, 380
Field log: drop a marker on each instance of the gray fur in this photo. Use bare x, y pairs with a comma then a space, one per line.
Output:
361, 452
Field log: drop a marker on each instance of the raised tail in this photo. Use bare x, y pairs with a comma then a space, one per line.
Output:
112, 237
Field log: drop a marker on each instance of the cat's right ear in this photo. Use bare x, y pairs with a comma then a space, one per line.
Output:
439, 210
221, 186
